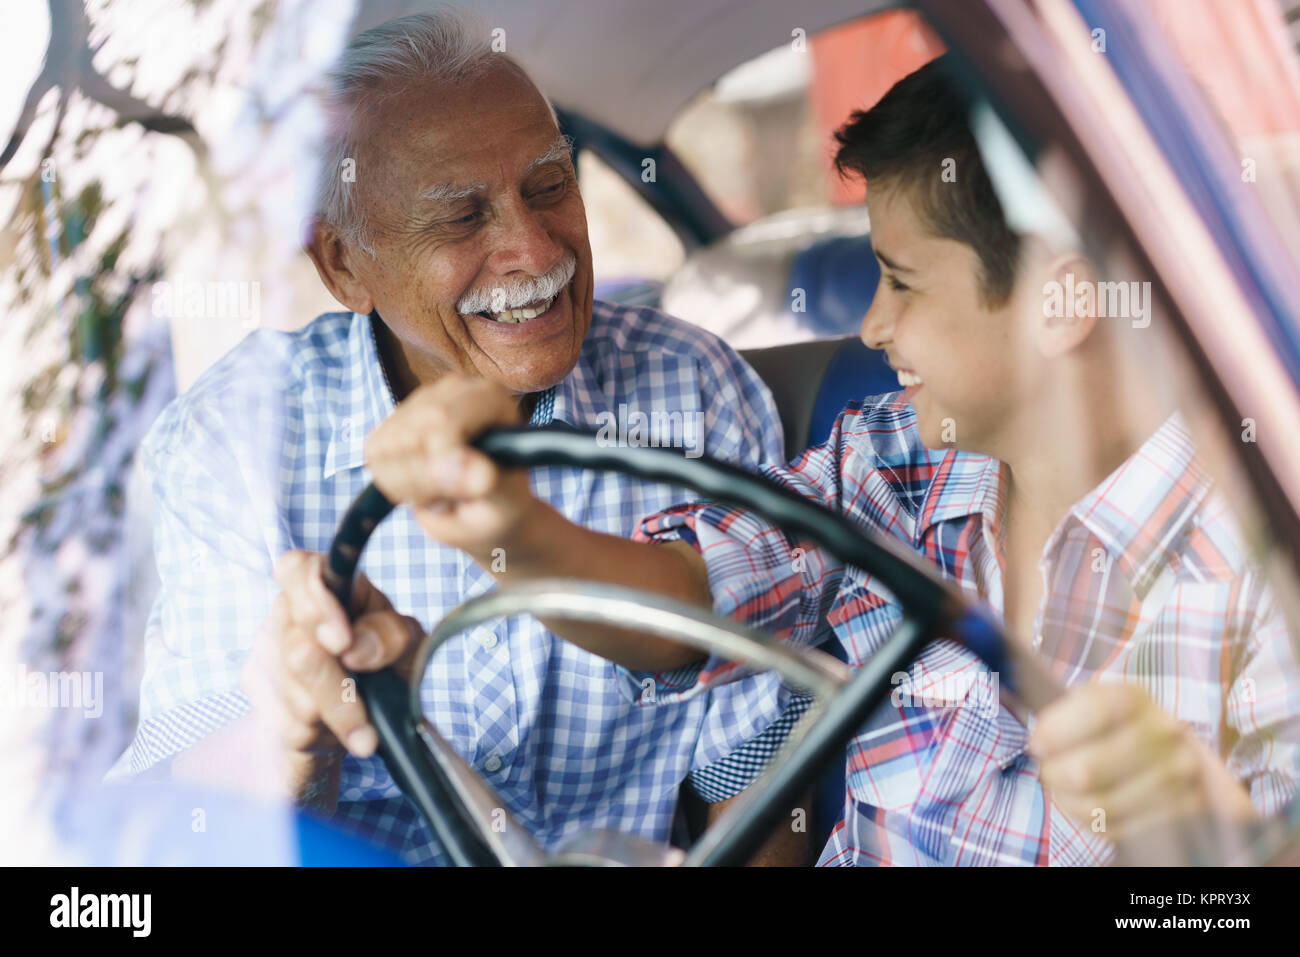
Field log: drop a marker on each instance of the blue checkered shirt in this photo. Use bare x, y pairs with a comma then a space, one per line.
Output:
265, 453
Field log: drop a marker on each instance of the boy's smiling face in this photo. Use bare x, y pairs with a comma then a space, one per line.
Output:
956, 355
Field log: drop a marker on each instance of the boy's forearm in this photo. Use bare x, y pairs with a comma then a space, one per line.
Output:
551, 546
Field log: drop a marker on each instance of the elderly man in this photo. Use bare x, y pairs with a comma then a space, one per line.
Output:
450, 225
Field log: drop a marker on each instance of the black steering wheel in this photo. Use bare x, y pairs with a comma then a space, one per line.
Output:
459, 806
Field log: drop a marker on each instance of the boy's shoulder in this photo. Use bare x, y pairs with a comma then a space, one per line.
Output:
881, 431
879, 443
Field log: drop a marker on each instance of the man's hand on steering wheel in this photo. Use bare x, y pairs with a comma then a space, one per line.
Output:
296, 677
421, 456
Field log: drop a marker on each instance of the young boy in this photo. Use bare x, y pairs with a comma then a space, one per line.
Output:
1031, 459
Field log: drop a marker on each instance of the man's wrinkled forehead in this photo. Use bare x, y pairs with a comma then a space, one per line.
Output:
418, 128
450, 192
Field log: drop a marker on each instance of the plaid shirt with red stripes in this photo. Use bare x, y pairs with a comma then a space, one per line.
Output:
1146, 581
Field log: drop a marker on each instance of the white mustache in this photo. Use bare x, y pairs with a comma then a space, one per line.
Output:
517, 293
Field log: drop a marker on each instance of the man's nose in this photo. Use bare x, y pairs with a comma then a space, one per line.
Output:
878, 323
523, 242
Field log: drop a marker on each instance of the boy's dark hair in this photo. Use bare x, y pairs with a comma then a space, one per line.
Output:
904, 140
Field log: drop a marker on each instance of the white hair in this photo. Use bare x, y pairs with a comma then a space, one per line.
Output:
384, 61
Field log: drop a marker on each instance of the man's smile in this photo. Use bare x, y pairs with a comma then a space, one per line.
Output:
530, 311
533, 301
537, 319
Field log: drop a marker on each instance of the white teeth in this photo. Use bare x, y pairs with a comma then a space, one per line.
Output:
522, 315
906, 378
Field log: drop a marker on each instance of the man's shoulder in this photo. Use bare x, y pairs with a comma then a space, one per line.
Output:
249, 384
275, 358
631, 329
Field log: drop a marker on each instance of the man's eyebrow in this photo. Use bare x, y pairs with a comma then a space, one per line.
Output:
559, 150
450, 193
891, 264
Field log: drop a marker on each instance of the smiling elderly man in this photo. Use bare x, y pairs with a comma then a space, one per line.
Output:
459, 246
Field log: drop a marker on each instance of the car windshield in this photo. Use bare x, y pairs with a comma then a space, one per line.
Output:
1020, 298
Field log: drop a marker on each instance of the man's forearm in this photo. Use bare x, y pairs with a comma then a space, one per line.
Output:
553, 547
242, 756
786, 846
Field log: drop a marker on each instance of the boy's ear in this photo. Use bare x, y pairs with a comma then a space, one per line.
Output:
330, 255
1069, 311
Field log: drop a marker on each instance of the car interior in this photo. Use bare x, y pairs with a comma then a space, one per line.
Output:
787, 284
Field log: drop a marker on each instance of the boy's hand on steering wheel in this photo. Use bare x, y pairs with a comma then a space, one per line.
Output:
1109, 748
420, 455
296, 677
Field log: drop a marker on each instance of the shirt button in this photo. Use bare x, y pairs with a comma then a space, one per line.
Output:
492, 765
1038, 642
487, 639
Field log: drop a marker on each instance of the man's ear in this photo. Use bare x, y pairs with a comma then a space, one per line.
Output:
1069, 312
330, 255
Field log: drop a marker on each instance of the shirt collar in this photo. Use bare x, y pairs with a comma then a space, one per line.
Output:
1144, 509
578, 397
964, 484
1140, 513
366, 398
